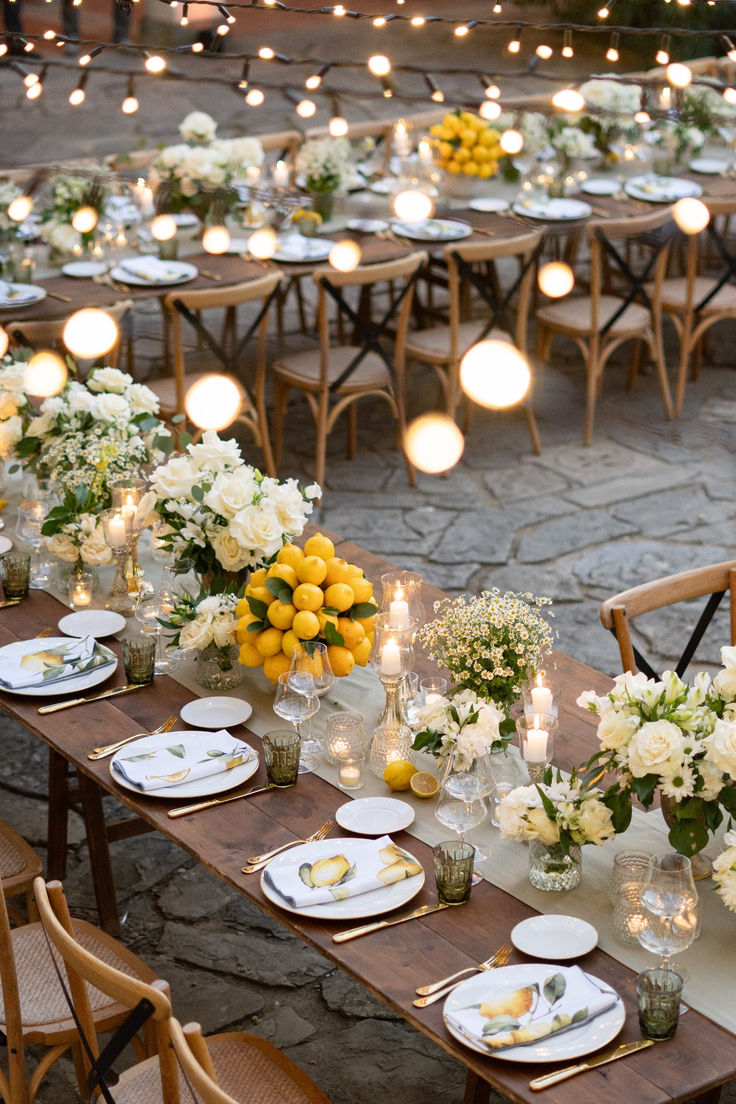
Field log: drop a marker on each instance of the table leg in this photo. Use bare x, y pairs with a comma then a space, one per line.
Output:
99, 855
477, 1091
712, 1096
58, 813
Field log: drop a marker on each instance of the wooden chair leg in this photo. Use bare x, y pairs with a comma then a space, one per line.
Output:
58, 813
352, 413
591, 394
99, 855
634, 365
280, 403
531, 422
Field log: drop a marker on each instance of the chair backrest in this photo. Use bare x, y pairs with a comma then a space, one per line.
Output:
47, 333
194, 1059
83, 966
652, 234
508, 307
12, 1084
331, 284
186, 304
713, 248
715, 581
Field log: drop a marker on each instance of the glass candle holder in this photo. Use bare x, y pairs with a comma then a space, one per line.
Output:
117, 530
541, 695
402, 598
81, 589
629, 868
126, 497
392, 658
431, 689
15, 569
345, 736
389, 743
536, 742
350, 774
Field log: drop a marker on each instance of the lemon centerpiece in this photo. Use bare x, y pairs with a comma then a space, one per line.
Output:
307, 594
468, 150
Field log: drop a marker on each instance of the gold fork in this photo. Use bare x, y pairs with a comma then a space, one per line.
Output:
440, 989
45, 631
110, 749
256, 862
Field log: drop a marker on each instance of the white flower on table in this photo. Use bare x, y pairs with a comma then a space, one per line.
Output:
142, 399
196, 634
725, 681
288, 502
258, 527
232, 492
656, 748
110, 407
721, 746
11, 431
174, 478
95, 550
214, 454
197, 126
230, 552
108, 379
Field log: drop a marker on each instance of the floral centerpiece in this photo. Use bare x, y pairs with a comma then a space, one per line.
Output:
465, 725
14, 405
615, 105
202, 169
207, 624
327, 165
556, 817
220, 515
71, 189
491, 643
667, 737
74, 529
9, 228
573, 143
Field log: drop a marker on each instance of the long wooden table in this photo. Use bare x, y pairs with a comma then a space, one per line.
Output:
392, 962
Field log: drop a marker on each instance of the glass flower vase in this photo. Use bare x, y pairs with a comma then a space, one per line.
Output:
552, 869
218, 668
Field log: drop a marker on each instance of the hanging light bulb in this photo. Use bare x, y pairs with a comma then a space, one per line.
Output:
345, 255
163, 227
568, 99
154, 63
254, 97
556, 279
489, 110
691, 215
184, 21
730, 48
679, 75
213, 402
417, 20
90, 333
130, 104
379, 65
729, 96
412, 205
338, 125
433, 443
512, 141
305, 109
84, 219
515, 44
567, 50
45, 374
20, 208
266, 53
435, 92
612, 53
490, 89
662, 55
30, 79
216, 239
78, 95
544, 51
262, 243
313, 82
34, 91
495, 374
642, 117
85, 59
4, 341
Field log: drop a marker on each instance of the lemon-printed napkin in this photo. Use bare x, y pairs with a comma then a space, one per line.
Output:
334, 875
52, 664
186, 757
151, 268
509, 1015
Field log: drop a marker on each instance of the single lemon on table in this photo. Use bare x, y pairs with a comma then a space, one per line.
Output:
424, 784
341, 660
320, 545
398, 774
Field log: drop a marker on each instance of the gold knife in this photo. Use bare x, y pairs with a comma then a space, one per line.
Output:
184, 809
611, 1055
93, 697
353, 933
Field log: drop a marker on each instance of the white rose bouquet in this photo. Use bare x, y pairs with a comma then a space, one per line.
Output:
464, 724
71, 189
75, 531
326, 163
556, 811
614, 104
14, 406
669, 737
196, 621
220, 514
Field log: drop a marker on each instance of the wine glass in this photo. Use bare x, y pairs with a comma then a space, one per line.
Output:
296, 701
461, 805
150, 610
310, 659
669, 899
32, 514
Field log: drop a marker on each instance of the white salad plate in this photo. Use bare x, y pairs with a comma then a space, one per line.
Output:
374, 816
20, 295
600, 185
216, 713
200, 787
367, 225
82, 269
488, 203
431, 229
295, 249
96, 623
555, 938
5, 545
712, 166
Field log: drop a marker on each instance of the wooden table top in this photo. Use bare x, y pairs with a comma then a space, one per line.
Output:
390, 963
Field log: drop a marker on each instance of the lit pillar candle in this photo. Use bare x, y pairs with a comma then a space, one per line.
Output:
535, 745
431, 698
281, 174
391, 658
116, 530
253, 175
128, 510
399, 614
350, 776
541, 699
425, 153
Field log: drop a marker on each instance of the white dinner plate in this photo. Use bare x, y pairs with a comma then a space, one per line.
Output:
374, 816
237, 245
429, 230
712, 166
387, 185
83, 269
553, 209
5, 545
488, 203
600, 185
68, 686
181, 272
296, 249
216, 712
367, 225
200, 787
351, 908
20, 295
96, 622
555, 938
553, 1048
661, 189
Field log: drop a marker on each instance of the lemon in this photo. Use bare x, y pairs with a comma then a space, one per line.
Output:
361, 653
250, 656
354, 571
340, 596
398, 774
243, 609
262, 594
290, 554
268, 642
337, 571
307, 596
323, 618
362, 589
281, 614
241, 633
289, 642
424, 784
341, 660
283, 571
352, 632
312, 569
320, 545
276, 665
305, 624
257, 579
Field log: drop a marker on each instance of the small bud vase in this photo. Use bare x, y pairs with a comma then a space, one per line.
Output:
218, 668
552, 869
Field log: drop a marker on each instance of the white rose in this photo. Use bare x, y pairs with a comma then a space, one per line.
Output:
43, 424
171, 156
62, 546
725, 681
712, 779
291, 508
230, 552
615, 729
595, 821
198, 126
11, 432
141, 398
634, 685
210, 605
112, 408
108, 379
231, 492
8, 406
313, 490
13, 377
145, 514
175, 479
655, 749
541, 827
188, 187
722, 746
196, 634
257, 529
224, 629
80, 400
94, 550
214, 454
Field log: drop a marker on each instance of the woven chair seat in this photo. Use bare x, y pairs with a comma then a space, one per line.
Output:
304, 369
674, 295
435, 343
574, 315
12, 862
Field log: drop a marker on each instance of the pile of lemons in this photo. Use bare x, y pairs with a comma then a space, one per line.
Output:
307, 594
465, 143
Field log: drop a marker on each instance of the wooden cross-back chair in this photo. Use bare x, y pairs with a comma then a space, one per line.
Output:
334, 376
250, 1069
47, 334
714, 581
19, 865
34, 1010
504, 310
600, 322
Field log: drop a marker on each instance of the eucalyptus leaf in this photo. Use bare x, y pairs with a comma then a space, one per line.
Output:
500, 1024
177, 750
554, 988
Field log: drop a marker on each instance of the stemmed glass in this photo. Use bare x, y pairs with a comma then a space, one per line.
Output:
150, 610
310, 660
31, 515
296, 701
669, 899
461, 805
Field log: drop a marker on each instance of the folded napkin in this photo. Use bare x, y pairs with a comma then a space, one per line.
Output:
333, 876
183, 761
16, 293
53, 665
151, 268
562, 999
299, 247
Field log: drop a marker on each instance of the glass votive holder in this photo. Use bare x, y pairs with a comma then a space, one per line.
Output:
629, 868
402, 598
541, 695
389, 743
350, 774
536, 741
508, 773
453, 871
139, 657
629, 915
15, 568
126, 494
81, 590
345, 737
409, 695
658, 992
431, 689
